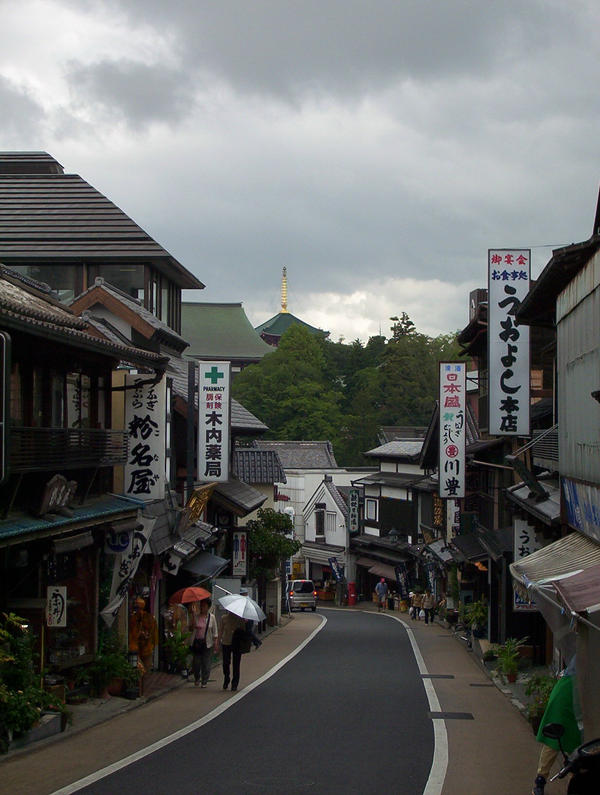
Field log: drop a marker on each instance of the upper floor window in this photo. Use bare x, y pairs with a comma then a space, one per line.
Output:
371, 509
129, 278
67, 280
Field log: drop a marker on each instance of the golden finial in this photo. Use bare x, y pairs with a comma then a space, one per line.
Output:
284, 290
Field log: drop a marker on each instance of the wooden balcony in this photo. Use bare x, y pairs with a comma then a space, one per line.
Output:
40, 449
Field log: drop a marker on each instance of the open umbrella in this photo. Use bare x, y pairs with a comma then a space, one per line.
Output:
242, 606
191, 594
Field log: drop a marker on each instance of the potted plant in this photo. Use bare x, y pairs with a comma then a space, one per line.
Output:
177, 648
539, 687
476, 616
106, 672
508, 657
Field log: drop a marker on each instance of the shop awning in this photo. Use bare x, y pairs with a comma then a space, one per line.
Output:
377, 568
545, 510
205, 565
106, 509
581, 592
469, 547
570, 555
238, 497
441, 550
320, 553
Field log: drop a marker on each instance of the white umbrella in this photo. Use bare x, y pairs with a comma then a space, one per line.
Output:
242, 606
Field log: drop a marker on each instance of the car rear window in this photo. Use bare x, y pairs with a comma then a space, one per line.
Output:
303, 586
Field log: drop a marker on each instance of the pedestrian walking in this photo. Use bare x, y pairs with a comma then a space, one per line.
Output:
428, 605
381, 589
203, 641
237, 636
416, 604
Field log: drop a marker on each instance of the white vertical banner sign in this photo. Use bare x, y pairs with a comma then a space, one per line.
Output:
145, 424
453, 396
508, 342
526, 543
56, 606
214, 421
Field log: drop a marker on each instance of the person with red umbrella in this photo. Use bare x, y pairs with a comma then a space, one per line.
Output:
204, 639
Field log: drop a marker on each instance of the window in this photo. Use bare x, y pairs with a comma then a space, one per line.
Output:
320, 522
371, 509
67, 280
330, 522
126, 277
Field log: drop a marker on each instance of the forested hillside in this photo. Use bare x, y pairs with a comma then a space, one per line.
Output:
311, 388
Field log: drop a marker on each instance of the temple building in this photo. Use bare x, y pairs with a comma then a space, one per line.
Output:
272, 330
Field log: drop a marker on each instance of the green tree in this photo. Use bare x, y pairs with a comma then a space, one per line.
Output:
270, 543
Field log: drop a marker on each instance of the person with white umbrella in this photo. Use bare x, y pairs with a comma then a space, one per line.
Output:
236, 633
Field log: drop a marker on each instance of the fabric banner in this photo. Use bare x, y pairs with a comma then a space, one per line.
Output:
402, 580
337, 570
126, 564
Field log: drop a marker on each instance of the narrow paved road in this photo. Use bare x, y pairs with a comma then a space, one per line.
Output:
348, 714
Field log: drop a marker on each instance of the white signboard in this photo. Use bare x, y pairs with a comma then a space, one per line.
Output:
213, 421
239, 557
145, 423
453, 395
452, 518
525, 543
508, 342
56, 606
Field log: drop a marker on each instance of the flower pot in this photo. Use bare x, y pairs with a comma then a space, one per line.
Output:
115, 686
512, 676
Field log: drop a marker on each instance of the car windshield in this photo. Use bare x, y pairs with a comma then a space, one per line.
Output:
303, 586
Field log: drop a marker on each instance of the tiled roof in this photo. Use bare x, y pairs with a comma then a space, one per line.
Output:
241, 418
28, 310
88, 298
47, 216
301, 455
337, 497
404, 448
388, 433
220, 331
258, 466
281, 322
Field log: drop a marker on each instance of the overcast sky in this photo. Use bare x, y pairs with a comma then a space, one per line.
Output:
377, 149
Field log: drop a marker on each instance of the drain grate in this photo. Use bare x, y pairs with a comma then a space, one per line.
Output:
452, 715
437, 676
481, 684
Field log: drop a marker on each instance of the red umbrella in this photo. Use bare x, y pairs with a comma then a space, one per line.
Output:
192, 594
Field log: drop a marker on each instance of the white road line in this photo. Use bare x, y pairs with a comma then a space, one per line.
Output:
439, 764
135, 757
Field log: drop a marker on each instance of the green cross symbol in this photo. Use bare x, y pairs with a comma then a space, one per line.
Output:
214, 375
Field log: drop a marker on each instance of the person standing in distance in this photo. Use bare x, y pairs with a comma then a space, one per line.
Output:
381, 590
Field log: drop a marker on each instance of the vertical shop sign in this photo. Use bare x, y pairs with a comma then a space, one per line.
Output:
56, 606
145, 424
240, 553
402, 581
525, 543
213, 421
452, 518
338, 571
508, 342
452, 429
353, 499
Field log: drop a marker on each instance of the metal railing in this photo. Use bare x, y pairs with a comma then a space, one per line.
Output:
38, 449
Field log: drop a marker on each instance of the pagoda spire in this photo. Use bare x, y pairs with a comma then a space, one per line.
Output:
284, 290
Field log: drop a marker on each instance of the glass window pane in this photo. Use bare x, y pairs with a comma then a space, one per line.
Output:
65, 279
126, 277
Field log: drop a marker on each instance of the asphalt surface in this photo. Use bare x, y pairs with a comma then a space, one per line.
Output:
348, 714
